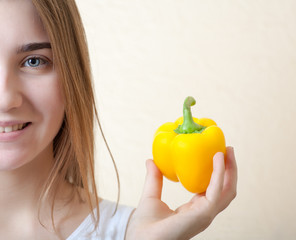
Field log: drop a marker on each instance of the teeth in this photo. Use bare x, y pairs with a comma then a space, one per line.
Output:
8, 129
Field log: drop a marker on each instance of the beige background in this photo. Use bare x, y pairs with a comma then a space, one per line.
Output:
237, 58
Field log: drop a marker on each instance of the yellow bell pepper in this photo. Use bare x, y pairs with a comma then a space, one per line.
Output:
184, 150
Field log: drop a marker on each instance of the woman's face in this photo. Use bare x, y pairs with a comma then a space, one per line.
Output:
31, 103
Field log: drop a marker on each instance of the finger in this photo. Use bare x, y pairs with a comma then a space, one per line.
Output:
230, 180
153, 182
231, 166
217, 179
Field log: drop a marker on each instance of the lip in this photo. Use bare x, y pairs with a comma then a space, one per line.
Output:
15, 135
10, 123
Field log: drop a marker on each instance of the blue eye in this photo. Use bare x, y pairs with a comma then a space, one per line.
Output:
33, 62
36, 64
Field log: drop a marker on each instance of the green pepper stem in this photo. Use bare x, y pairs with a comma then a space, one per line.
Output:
189, 126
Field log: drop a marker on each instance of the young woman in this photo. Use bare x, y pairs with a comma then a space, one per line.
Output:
47, 112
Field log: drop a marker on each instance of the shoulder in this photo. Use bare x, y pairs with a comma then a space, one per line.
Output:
113, 220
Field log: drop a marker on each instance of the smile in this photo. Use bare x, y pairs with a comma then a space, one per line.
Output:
13, 128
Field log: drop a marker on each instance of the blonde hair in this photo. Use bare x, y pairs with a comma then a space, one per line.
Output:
74, 144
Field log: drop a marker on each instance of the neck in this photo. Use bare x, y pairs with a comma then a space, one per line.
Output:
20, 191
20, 188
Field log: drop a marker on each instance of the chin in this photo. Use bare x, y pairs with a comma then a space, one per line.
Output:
10, 161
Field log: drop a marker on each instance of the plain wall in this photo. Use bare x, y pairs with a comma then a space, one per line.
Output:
237, 58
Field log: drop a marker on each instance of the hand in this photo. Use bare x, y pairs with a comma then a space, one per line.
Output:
154, 220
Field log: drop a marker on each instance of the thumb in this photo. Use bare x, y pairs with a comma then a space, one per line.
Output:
153, 181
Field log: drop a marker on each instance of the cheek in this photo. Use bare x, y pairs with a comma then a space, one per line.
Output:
43, 104
48, 103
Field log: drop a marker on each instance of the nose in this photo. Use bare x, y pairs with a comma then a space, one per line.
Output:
10, 95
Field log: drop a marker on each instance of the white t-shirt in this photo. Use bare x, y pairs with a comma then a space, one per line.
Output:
109, 228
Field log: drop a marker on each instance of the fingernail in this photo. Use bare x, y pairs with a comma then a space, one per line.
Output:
219, 153
232, 149
148, 161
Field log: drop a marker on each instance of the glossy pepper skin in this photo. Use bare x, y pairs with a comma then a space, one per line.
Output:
184, 150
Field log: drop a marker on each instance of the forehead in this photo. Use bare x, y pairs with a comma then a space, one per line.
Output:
19, 23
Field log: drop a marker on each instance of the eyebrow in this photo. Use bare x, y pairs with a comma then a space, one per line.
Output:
33, 46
